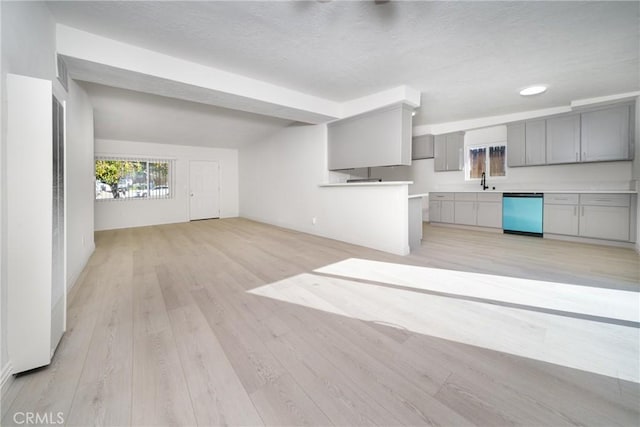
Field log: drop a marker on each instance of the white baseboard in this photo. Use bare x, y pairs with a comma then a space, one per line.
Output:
590, 241
71, 280
7, 370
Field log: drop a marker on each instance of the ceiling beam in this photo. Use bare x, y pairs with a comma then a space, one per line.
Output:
98, 59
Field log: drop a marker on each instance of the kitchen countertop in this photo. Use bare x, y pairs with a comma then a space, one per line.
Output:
540, 191
415, 196
366, 184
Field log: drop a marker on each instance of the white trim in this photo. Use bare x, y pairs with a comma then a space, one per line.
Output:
483, 122
604, 100
108, 156
588, 240
71, 281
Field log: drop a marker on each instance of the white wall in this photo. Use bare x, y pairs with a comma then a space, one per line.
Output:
636, 169
279, 184
29, 49
80, 190
135, 213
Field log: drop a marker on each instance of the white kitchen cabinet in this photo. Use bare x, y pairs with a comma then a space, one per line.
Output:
448, 155
563, 139
422, 147
605, 134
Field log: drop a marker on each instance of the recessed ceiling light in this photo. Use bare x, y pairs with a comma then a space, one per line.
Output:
533, 90
413, 114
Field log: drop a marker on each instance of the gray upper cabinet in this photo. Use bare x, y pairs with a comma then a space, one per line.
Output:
527, 143
563, 139
516, 149
422, 147
536, 142
440, 153
605, 134
600, 135
448, 152
455, 145
377, 138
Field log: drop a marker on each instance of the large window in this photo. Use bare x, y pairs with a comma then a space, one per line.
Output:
131, 178
490, 159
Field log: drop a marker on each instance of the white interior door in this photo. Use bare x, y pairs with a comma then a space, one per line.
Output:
204, 192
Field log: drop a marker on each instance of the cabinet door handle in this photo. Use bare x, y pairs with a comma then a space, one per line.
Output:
582, 211
577, 156
584, 155
575, 210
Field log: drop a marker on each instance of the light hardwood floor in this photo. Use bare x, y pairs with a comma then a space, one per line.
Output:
167, 326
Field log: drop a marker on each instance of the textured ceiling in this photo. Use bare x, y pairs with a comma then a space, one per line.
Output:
468, 59
127, 115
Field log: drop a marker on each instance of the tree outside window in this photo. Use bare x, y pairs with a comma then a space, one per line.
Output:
126, 179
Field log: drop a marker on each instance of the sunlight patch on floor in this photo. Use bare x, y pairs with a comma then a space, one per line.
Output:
588, 345
601, 302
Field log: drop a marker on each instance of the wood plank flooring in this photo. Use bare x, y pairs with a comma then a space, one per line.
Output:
166, 327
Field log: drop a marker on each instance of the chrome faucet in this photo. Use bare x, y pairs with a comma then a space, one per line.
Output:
483, 181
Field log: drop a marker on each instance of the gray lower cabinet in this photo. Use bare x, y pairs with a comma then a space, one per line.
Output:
448, 155
561, 214
605, 134
481, 209
422, 147
605, 216
489, 211
598, 216
527, 143
441, 207
563, 139
465, 213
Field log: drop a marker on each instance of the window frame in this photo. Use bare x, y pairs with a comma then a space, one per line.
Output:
487, 164
170, 181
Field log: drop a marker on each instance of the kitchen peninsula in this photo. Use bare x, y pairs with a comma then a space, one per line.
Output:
379, 215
